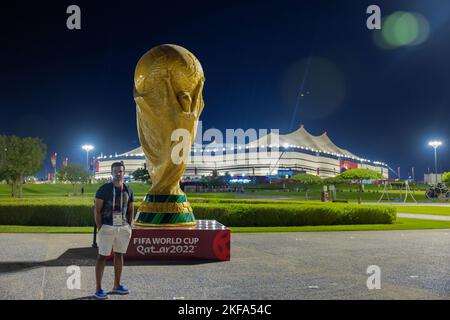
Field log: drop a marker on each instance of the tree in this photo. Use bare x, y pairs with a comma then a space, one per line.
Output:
73, 173
360, 175
20, 157
307, 180
3, 150
215, 180
337, 180
446, 178
141, 174
102, 181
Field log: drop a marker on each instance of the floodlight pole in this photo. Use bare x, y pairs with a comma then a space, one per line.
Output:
435, 163
87, 148
435, 145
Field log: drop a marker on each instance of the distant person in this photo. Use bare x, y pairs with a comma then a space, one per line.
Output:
113, 217
82, 191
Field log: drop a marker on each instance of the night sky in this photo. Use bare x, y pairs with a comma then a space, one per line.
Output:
71, 87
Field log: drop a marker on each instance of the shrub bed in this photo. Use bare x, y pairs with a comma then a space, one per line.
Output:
233, 214
251, 215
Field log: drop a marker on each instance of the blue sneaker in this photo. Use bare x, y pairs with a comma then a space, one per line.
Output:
101, 294
121, 290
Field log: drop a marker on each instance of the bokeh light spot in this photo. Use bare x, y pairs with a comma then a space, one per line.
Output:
402, 29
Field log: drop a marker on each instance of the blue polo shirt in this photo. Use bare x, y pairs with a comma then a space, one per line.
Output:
105, 193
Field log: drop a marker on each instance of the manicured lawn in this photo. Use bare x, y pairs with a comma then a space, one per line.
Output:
373, 193
209, 197
60, 189
400, 224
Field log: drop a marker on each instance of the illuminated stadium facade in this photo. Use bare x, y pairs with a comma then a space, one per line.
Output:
273, 155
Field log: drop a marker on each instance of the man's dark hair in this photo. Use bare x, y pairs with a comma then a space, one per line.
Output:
117, 164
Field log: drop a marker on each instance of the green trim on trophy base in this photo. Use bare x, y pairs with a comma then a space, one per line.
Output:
165, 198
164, 218
165, 210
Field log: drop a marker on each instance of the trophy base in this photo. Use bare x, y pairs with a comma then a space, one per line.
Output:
165, 211
174, 219
166, 225
205, 240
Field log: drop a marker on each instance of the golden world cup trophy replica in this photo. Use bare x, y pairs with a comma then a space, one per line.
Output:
168, 85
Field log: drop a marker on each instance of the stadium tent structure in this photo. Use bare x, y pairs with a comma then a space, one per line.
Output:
304, 140
271, 155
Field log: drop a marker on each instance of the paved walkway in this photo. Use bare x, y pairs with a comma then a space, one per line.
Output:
414, 204
414, 264
423, 216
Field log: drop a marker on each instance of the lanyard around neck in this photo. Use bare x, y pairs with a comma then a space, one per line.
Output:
114, 198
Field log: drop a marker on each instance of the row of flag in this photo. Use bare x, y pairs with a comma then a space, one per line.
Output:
53, 160
65, 161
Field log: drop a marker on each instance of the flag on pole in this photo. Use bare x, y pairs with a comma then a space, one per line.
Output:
91, 164
53, 159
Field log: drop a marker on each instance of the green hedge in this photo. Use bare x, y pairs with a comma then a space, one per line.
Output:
232, 214
46, 215
247, 215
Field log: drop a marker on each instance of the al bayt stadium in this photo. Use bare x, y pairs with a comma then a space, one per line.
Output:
272, 155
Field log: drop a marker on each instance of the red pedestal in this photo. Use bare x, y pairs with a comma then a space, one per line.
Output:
208, 240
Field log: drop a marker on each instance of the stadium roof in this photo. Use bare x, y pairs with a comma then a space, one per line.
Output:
303, 139
297, 139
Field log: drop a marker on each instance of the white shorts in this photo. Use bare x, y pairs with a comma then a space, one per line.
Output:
110, 237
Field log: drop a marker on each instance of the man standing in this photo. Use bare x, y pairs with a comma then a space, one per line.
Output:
113, 217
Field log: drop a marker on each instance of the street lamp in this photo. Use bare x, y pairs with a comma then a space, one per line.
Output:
87, 148
435, 144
